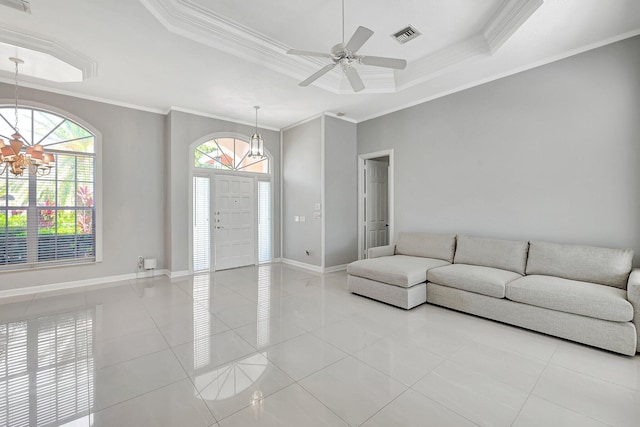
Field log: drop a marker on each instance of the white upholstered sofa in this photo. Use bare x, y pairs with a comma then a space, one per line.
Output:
581, 293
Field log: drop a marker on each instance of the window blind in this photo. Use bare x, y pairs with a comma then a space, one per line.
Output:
264, 221
201, 230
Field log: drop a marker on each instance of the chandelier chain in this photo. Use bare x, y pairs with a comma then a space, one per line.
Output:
16, 93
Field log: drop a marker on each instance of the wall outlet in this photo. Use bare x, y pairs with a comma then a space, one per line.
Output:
318, 206
302, 219
317, 215
140, 262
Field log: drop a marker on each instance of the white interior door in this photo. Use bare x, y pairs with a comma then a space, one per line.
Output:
234, 215
376, 212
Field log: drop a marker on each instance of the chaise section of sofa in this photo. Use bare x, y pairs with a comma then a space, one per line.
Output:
397, 274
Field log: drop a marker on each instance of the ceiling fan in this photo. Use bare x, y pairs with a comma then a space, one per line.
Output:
346, 56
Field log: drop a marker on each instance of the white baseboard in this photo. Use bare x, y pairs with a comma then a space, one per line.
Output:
81, 283
174, 274
335, 268
314, 268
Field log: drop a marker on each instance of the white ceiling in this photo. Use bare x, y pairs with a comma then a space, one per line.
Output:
222, 57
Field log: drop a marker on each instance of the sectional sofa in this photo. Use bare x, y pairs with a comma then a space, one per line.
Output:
586, 294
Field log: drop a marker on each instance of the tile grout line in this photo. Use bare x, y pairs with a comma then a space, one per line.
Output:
636, 390
215, 420
321, 402
555, 350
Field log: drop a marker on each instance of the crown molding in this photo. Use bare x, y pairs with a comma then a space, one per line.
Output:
506, 21
343, 118
203, 25
66, 54
217, 117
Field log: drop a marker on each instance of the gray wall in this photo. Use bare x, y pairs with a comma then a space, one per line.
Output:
551, 153
133, 188
301, 183
145, 181
341, 203
184, 129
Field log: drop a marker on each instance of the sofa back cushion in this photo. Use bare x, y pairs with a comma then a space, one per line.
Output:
604, 266
439, 246
503, 254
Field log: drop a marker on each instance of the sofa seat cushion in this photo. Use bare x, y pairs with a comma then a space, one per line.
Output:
572, 296
398, 270
473, 278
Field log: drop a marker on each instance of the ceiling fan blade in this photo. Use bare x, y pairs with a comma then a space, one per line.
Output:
354, 79
315, 76
358, 38
379, 61
308, 53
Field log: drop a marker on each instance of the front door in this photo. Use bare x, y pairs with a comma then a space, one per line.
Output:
234, 218
376, 212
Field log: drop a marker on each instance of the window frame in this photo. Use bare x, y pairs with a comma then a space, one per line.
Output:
240, 172
97, 189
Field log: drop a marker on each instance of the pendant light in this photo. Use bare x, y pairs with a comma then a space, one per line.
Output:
33, 159
256, 145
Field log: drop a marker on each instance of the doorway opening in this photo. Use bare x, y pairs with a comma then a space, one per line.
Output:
375, 201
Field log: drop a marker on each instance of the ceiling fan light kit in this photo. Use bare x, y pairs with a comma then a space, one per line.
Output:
346, 56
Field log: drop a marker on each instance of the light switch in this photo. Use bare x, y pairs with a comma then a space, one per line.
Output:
317, 215
318, 206
296, 218
302, 219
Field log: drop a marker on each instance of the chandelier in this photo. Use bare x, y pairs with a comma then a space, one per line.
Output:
256, 145
33, 158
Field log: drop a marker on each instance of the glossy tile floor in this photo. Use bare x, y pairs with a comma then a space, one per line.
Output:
274, 345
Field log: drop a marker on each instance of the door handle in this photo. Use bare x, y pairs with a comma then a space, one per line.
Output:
221, 228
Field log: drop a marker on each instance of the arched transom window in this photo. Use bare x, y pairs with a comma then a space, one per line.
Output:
51, 218
228, 154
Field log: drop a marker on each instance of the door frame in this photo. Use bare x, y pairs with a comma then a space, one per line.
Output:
210, 173
390, 200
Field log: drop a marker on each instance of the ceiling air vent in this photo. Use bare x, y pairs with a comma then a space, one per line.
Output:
406, 34
21, 5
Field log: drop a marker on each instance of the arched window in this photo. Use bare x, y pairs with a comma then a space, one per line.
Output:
48, 219
228, 154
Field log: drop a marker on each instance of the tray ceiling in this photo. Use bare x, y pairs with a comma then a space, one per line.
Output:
222, 57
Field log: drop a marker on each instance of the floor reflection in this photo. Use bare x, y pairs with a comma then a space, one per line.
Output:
264, 306
46, 370
201, 320
233, 379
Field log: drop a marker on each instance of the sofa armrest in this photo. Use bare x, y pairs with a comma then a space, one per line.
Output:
633, 295
381, 251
